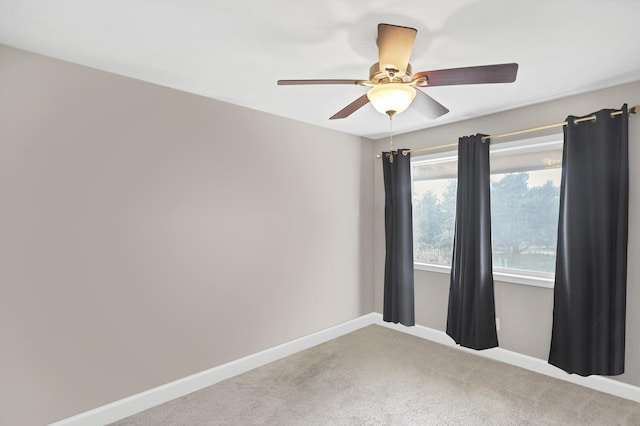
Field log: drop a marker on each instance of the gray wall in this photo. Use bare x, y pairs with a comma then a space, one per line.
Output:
525, 312
147, 234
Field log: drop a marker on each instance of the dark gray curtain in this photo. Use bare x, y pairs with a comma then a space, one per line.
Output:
398, 268
591, 264
471, 316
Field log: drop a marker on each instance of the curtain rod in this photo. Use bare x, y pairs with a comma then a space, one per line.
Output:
633, 110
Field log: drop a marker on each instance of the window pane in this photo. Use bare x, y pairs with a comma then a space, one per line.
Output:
524, 219
434, 209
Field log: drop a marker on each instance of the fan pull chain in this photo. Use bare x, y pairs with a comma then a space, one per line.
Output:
391, 138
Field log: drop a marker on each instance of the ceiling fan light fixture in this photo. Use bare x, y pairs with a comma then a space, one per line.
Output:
391, 98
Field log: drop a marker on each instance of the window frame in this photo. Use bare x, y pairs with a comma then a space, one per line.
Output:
508, 275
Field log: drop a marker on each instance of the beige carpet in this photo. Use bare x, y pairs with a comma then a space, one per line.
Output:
377, 376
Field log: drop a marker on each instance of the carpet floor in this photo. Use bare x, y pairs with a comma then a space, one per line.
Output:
378, 376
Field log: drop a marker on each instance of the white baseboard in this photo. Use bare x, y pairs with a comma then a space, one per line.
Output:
599, 383
134, 404
143, 401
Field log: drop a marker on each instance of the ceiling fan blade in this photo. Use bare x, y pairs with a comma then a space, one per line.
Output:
500, 73
351, 108
298, 82
395, 44
428, 106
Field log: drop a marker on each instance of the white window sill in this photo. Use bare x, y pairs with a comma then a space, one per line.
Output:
543, 280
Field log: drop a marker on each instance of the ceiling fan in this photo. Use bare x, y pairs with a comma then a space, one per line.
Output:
392, 86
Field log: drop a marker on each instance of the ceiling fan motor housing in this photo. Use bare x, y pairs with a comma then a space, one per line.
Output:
390, 75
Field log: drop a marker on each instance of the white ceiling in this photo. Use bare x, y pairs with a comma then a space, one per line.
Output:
235, 51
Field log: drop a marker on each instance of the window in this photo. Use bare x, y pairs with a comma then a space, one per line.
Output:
525, 189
